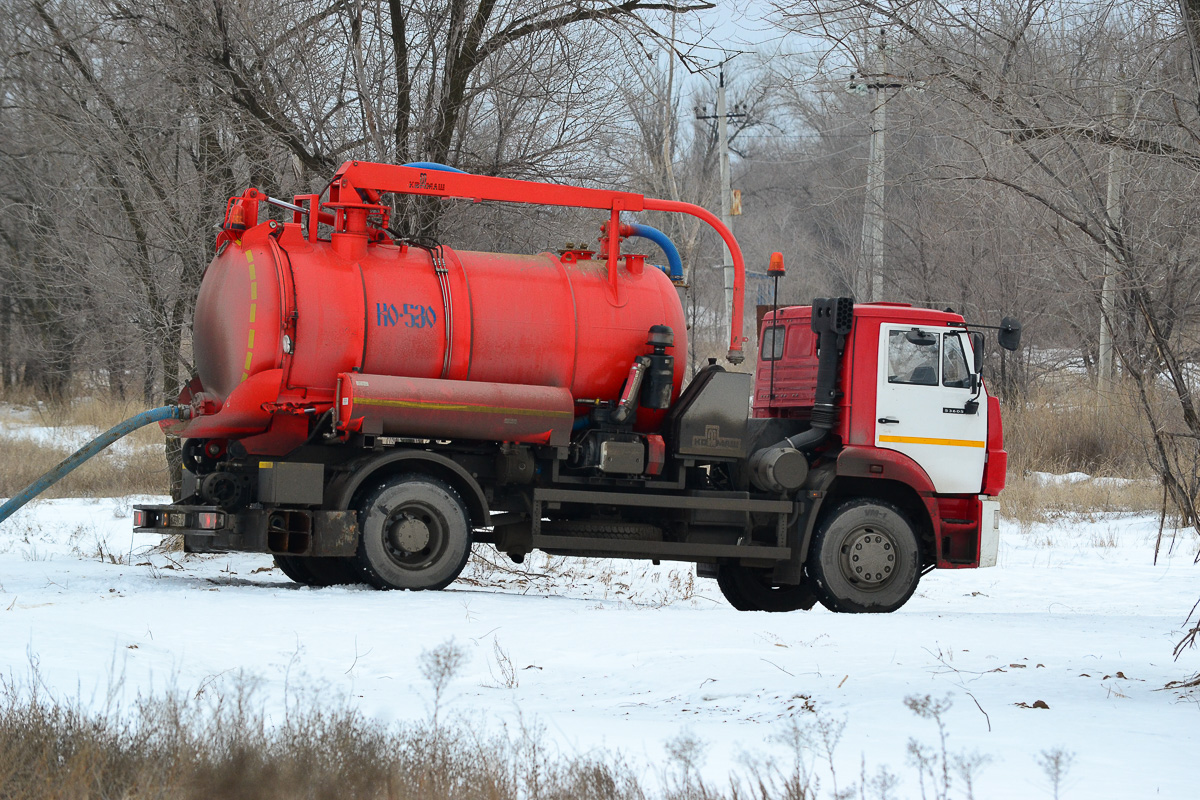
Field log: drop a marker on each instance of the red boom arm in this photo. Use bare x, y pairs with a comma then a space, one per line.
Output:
374, 179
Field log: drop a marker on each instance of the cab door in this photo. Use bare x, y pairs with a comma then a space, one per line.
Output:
927, 407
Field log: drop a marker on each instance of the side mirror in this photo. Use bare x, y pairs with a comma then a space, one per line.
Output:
1010, 333
977, 350
920, 338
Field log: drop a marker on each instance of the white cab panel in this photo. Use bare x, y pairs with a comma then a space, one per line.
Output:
924, 388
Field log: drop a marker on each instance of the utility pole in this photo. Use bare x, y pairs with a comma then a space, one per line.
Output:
872, 244
722, 117
869, 277
1116, 177
726, 188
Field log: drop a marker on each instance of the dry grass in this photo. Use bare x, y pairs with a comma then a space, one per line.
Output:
1026, 499
137, 465
639, 583
1066, 427
192, 749
176, 749
210, 746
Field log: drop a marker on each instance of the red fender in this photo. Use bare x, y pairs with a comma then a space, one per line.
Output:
891, 465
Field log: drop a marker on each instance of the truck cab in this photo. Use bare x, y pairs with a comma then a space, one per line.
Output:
915, 425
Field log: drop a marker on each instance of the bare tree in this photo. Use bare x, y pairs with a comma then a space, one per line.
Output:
1087, 126
447, 81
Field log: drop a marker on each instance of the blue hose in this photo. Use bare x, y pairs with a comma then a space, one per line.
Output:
87, 451
659, 238
433, 166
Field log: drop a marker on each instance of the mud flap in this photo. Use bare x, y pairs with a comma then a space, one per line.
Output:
335, 533
989, 532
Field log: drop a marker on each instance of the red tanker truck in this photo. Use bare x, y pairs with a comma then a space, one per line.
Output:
367, 408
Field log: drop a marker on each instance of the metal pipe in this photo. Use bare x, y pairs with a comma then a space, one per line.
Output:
323, 216
275, 201
736, 339
633, 386
87, 451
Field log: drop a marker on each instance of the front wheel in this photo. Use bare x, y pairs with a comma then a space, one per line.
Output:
749, 589
864, 558
415, 534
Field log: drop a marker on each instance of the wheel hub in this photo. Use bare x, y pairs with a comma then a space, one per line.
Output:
409, 535
869, 557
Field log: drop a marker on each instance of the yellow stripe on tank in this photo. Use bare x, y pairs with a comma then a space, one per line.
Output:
253, 313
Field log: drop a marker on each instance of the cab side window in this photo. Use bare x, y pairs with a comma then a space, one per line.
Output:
954, 364
913, 359
771, 346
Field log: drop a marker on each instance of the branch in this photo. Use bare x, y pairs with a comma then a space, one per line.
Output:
526, 27
1107, 138
136, 153
244, 96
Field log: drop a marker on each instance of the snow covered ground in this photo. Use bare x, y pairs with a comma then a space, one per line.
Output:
627, 657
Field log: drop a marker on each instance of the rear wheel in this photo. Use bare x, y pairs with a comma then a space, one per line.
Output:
294, 568
749, 589
864, 558
415, 534
324, 571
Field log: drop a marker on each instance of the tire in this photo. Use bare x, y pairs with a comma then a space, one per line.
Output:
294, 568
864, 558
334, 571
325, 571
749, 589
415, 534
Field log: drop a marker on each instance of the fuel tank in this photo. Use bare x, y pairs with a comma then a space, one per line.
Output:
280, 316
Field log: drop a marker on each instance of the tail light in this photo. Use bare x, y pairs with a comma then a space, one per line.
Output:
139, 518
209, 520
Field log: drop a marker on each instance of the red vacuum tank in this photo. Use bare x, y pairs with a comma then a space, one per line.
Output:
285, 304
285, 309
536, 320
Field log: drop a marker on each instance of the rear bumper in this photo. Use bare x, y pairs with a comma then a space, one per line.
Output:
280, 531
